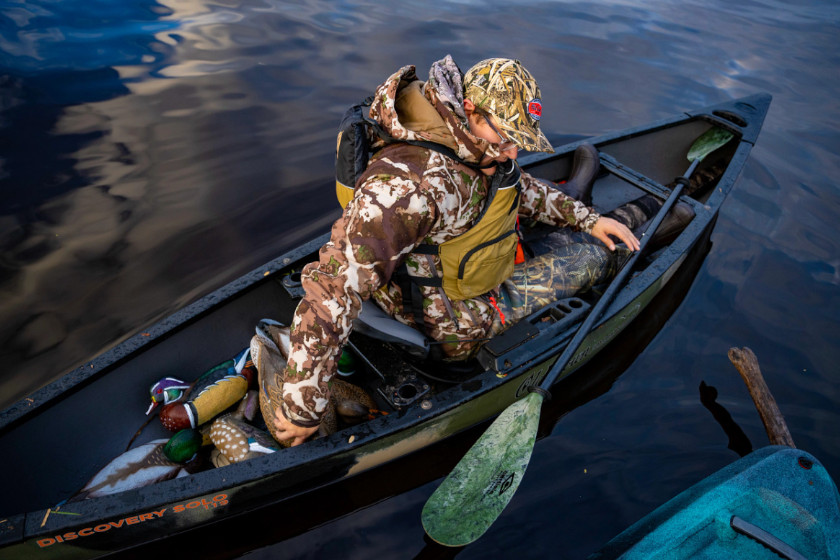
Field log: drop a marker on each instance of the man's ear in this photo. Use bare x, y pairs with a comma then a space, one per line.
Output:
469, 107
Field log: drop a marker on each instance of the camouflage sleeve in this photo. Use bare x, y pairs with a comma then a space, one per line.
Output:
551, 206
381, 225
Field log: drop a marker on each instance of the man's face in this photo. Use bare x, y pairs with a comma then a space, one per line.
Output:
501, 148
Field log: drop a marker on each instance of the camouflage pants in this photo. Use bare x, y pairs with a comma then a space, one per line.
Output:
565, 263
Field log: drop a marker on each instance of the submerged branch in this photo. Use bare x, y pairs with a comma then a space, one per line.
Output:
747, 364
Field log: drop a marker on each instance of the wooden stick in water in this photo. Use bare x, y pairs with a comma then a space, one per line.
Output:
747, 364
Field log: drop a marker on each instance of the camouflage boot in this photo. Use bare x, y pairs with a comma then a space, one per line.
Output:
637, 213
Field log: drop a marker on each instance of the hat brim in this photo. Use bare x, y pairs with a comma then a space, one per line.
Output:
527, 138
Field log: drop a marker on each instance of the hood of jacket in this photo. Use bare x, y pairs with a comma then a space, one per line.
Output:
410, 109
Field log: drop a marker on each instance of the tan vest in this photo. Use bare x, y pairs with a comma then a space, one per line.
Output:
480, 259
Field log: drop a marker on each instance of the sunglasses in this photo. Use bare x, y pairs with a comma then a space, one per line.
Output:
505, 144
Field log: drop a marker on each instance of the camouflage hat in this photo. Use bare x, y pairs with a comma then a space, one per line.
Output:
504, 88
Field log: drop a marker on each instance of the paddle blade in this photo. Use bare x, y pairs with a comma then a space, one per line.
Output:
474, 494
708, 142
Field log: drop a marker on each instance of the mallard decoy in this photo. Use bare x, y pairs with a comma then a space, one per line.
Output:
270, 363
138, 467
211, 394
183, 446
236, 439
155, 461
351, 402
270, 348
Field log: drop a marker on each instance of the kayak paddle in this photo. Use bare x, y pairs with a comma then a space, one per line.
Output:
480, 486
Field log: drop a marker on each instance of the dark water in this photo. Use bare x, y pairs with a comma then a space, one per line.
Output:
150, 152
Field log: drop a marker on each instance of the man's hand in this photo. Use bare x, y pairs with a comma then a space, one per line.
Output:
605, 227
287, 430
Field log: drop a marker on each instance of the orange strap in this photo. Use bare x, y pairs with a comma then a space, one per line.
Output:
520, 253
501, 315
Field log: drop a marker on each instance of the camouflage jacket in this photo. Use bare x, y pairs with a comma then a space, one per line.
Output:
409, 195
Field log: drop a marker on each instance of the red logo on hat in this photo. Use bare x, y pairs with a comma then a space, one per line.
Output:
535, 109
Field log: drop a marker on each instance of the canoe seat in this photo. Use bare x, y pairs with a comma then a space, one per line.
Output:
375, 323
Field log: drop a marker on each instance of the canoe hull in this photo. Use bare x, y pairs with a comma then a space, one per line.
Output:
219, 325
148, 515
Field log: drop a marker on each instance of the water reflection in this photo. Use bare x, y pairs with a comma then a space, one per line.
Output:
77, 36
150, 151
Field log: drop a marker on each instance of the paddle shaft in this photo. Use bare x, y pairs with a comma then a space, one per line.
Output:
614, 286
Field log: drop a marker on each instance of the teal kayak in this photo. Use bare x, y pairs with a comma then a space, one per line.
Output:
775, 502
